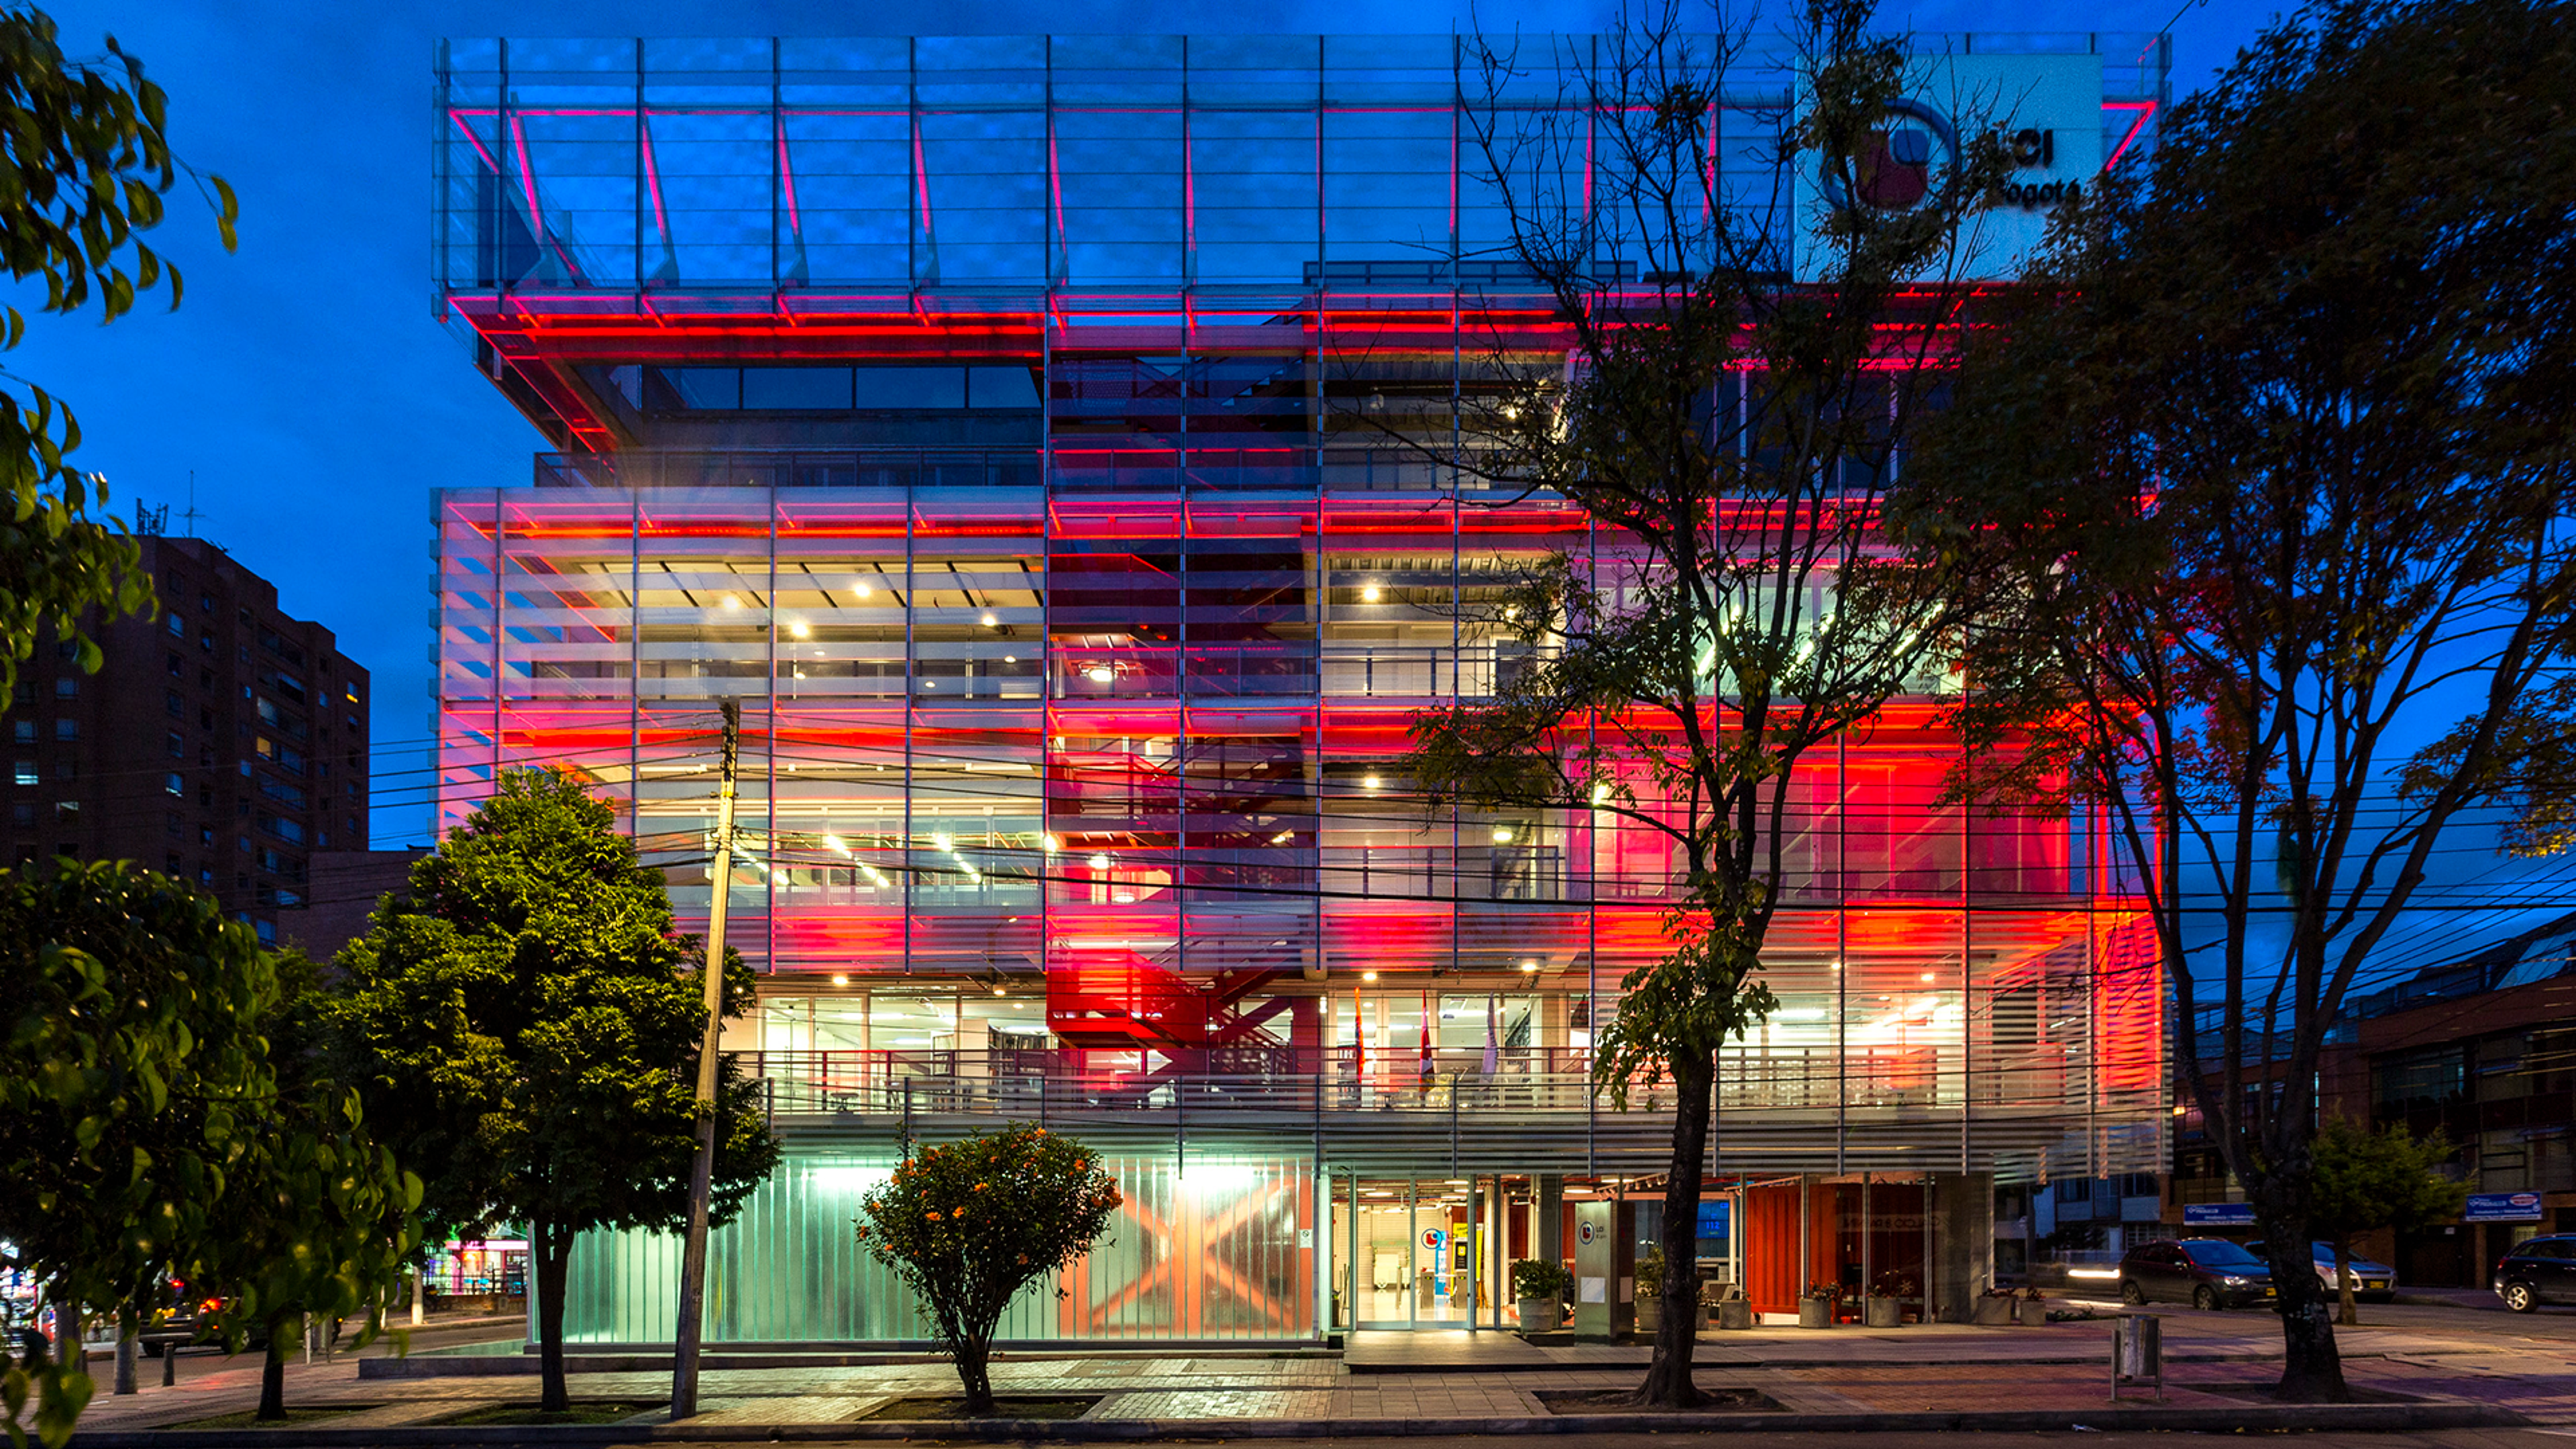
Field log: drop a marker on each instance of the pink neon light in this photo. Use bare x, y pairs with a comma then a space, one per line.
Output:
787, 178
921, 176
653, 178
1453, 175
489, 160
2144, 109
1055, 184
1708, 197
527, 178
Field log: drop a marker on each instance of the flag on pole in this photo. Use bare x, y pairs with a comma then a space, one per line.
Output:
1359, 1040
1426, 1068
1493, 1037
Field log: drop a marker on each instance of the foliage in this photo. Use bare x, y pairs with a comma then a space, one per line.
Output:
971, 1224
318, 1218
1541, 1278
132, 1078
2268, 474
83, 170
525, 1026
1732, 435
2368, 1180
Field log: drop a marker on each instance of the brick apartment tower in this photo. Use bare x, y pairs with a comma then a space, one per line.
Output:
223, 741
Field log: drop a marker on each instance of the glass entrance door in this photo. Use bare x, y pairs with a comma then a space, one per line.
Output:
1412, 1249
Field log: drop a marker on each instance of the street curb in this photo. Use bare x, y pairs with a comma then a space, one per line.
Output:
2344, 1418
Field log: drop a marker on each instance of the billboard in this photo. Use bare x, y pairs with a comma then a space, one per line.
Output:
2218, 1214
2049, 110
2502, 1207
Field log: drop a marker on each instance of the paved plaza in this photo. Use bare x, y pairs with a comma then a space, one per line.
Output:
2216, 1362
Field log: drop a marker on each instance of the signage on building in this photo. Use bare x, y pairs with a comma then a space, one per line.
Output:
2218, 1214
2045, 109
2502, 1207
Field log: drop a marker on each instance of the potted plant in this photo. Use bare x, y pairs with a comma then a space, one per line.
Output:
1994, 1306
1885, 1305
1650, 1291
1816, 1306
1734, 1310
1541, 1288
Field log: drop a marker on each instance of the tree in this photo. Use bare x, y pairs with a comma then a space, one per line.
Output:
1733, 431
524, 1025
2269, 470
83, 171
2367, 1180
318, 1219
132, 1073
970, 1225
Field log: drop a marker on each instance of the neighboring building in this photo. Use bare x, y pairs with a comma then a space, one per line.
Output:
2481, 1050
346, 885
1000, 420
222, 741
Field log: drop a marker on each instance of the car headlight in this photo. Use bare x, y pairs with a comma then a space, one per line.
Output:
2234, 1282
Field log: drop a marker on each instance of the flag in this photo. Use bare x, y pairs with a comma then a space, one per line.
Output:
1359, 1040
1493, 1041
1426, 1068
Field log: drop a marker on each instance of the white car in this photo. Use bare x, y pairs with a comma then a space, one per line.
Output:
2375, 1281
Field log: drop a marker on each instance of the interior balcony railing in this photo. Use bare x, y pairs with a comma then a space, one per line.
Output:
1538, 1109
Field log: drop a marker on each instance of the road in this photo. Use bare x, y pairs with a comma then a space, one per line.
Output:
197, 1360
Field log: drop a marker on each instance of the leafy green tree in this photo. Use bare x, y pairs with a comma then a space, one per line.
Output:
971, 1224
2269, 469
2367, 1180
132, 1078
524, 1026
84, 167
1733, 433
318, 1219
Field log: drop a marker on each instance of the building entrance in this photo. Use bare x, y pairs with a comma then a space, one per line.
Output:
1413, 1253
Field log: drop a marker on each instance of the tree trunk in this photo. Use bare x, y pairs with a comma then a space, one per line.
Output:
2350, 1314
128, 1340
974, 1353
272, 1374
2311, 1367
553, 1246
1668, 1376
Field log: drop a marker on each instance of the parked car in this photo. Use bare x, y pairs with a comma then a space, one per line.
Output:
2375, 1281
2203, 1272
2540, 1271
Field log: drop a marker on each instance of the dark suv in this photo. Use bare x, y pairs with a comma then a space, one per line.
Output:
2203, 1272
2540, 1271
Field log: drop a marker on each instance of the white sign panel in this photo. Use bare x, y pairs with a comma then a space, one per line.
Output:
2049, 111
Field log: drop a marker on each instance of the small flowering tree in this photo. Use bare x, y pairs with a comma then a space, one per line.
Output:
971, 1224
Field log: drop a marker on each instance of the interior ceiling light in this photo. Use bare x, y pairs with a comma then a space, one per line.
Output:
801, 629
1502, 835
1100, 862
989, 619
1370, 782
1368, 976
1371, 594
1101, 674
865, 590
731, 602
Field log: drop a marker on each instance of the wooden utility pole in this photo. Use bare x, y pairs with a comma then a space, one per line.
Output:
693, 1256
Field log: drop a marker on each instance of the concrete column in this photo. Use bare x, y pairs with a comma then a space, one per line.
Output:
1961, 1263
1547, 1218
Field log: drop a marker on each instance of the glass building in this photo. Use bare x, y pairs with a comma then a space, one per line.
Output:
1018, 428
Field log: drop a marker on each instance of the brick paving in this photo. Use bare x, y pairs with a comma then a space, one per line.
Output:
2214, 1361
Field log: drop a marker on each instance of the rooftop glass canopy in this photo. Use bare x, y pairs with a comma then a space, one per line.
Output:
831, 174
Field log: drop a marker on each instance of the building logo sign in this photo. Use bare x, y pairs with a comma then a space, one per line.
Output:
1583, 1233
2502, 1207
2218, 1215
1893, 171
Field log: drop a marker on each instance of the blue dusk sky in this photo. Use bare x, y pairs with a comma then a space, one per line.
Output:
306, 383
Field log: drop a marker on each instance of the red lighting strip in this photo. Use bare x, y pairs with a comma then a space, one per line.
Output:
2144, 109
527, 176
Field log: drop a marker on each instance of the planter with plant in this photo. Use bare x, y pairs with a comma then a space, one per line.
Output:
1541, 1288
1816, 1305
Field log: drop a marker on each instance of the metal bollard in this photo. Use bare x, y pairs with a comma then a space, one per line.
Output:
2137, 1353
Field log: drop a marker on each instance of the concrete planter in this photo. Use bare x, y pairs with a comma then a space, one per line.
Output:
1538, 1315
1735, 1313
1993, 1311
1815, 1313
1882, 1312
1650, 1313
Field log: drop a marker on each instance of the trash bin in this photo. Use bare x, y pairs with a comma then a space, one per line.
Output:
2137, 1353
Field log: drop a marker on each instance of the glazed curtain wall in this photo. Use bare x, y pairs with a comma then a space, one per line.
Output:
1208, 1253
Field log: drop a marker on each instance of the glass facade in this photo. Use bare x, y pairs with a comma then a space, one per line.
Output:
1039, 439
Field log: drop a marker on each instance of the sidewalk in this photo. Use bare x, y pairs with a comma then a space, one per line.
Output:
1921, 1378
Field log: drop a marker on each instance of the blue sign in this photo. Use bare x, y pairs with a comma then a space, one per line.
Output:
2502, 1207
2218, 1214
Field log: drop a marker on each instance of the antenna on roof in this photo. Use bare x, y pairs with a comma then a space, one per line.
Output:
150, 522
191, 516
